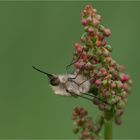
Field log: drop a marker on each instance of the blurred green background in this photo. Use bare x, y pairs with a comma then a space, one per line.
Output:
43, 34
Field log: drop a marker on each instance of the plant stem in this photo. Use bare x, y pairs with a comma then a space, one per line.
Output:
107, 125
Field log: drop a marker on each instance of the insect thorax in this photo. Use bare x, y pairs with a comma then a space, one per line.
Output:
70, 85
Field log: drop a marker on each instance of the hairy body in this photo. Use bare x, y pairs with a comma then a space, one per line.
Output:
69, 85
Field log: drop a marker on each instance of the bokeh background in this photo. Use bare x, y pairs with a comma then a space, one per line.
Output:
43, 34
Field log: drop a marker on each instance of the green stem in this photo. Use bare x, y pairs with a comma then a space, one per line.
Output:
108, 125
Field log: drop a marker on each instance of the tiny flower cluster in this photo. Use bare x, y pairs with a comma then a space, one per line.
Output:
96, 63
84, 124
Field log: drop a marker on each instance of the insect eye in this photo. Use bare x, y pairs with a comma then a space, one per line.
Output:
55, 81
67, 90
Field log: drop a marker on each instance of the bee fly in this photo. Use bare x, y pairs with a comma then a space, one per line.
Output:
71, 85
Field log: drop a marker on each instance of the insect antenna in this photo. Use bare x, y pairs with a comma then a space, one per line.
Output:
48, 74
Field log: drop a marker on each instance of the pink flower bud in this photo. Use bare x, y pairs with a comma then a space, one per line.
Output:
113, 85
112, 63
88, 10
105, 52
106, 94
104, 43
118, 121
105, 73
78, 47
111, 69
99, 74
95, 61
89, 19
124, 78
119, 112
98, 17
84, 22
79, 122
113, 92
98, 43
76, 110
78, 65
108, 59
95, 22
122, 68
98, 82
125, 87
107, 32
124, 93
118, 98
92, 81
90, 30
85, 133
119, 84
102, 69
101, 36
84, 56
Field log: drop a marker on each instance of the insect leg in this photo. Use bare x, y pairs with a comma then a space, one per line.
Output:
93, 95
83, 97
81, 68
73, 62
99, 99
86, 80
92, 100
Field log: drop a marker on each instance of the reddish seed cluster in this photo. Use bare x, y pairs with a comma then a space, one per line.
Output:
84, 124
96, 62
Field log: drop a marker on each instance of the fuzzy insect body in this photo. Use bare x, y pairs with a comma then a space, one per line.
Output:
72, 85
69, 86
